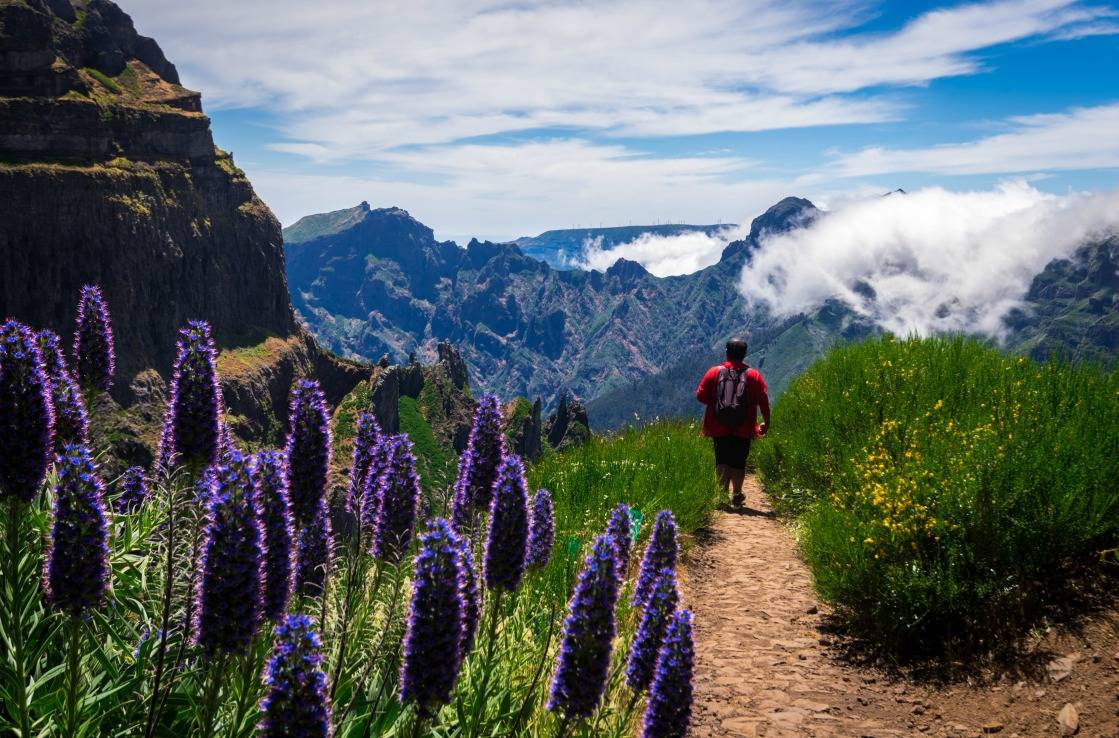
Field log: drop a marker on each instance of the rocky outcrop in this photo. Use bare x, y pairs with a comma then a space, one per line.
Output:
109, 175
568, 425
526, 433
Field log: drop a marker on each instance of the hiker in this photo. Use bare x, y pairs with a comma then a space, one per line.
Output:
733, 392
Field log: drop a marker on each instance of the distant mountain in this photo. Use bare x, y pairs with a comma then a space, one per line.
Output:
562, 249
375, 281
632, 345
1072, 308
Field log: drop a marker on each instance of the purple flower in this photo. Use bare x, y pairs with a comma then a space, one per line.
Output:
398, 497
76, 572
204, 487
94, 358
270, 474
366, 439
462, 508
660, 553
313, 553
192, 429
71, 421
541, 530
484, 452
229, 589
508, 533
472, 600
584, 657
650, 633
433, 637
619, 529
369, 501
27, 412
670, 698
296, 705
308, 450
133, 489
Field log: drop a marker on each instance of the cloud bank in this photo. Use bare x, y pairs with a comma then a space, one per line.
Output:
929, 261
664, 256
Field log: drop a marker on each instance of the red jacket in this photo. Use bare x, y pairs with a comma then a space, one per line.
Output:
757, 397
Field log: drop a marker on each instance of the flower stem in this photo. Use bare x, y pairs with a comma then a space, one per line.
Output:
15, 609
487, 664
73, 676
210, 698
168, 590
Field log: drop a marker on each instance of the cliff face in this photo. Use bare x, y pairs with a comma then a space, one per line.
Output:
109, 175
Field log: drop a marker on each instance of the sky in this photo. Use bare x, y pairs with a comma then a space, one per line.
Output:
502, 118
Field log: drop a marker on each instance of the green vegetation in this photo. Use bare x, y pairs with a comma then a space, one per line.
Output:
945, 491
104, 80
437, 462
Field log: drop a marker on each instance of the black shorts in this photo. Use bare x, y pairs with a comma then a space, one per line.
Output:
731, 451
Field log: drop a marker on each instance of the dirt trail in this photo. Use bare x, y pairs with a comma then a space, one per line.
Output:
766, 666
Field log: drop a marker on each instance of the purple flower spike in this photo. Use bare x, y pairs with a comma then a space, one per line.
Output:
192, 431
472, 600
485, 450
660, 553
366, 439
584, 658
508, 533
94, 357
670, 698
296, 705
27, 412
313, 553
308, 450
650, 633
71, 421
541, 530
76, 573
398, 497
462, 507
270, 473
433, 637
619, 529
369, 501
133, 489
229, 589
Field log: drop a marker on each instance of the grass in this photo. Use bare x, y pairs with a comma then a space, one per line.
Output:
103, 80
946, 493
437, 464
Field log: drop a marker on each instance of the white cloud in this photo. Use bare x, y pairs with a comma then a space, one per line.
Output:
664, 256
935, 260
1083, 138
353, 78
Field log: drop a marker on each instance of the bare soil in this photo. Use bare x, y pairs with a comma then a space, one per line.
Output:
769, 661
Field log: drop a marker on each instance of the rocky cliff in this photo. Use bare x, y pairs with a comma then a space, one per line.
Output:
109, 175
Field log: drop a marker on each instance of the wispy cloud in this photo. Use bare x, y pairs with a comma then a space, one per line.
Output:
353, 78
1083, 138
930, 261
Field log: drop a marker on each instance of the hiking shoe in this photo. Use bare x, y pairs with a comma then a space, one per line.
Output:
738, 501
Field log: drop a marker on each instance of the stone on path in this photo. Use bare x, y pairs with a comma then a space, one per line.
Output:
1069, 719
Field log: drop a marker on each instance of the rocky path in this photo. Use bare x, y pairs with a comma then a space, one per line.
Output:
765, 665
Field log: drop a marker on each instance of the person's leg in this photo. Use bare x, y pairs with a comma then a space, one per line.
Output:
725, 475
738, 472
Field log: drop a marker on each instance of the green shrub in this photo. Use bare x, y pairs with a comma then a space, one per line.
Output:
945, 489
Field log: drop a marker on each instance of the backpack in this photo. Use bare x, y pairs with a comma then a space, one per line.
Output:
730, 397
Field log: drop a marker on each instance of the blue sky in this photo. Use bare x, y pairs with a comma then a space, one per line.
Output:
499, 119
